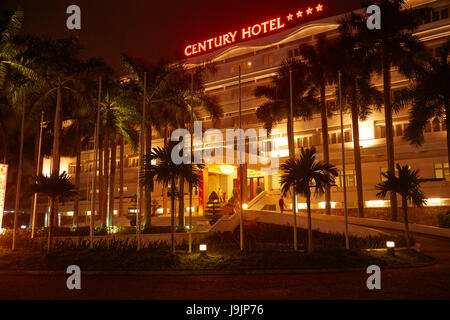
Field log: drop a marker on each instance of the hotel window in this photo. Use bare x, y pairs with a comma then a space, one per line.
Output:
384, 170
305, 142
436, 125
268, 59
133, 162
335, 137
350, 178
245, 65
435, 14
398, 132
246, 92
441, 170
293, 53
331, 105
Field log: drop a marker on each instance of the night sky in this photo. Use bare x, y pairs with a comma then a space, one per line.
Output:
154, 29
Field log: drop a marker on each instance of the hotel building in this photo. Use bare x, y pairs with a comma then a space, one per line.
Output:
259, 60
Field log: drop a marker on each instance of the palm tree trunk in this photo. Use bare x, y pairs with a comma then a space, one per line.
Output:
112, 183
447, 125
164, 188
76, 201
405, 213
310, 239
326, 153
122, 158
148, 190
181, 203
56, 154
50, 227
172, 219
19, 175
4, 142
101, 176
389, 128
357, 152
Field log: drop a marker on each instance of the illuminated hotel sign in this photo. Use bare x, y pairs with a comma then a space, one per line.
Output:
3, 178
263, 28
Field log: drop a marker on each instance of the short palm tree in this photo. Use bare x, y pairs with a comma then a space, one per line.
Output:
407, 185
303, 174
55, 187
168, 173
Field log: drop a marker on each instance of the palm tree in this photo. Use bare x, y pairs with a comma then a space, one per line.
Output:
62, 73
358, 94
430, 96
55, 186
321, 67
119, 116
395, 46
407, 185
303, 174
168, 173
277, 92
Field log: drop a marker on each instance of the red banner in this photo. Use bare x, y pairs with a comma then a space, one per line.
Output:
3, 179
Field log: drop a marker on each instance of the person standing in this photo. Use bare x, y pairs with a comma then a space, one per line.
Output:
281, 204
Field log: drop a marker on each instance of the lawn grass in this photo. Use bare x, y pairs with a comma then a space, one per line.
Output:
130, 260
267, 247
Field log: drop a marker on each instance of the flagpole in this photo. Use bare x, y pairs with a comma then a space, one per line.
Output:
38, 171
241, 216
141, 165
190, 182
347, 246
96, 151
292, 156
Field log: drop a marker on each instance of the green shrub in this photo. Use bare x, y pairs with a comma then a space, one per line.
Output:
444, 219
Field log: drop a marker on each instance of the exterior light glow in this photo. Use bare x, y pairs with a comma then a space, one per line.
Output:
70, 213
377, 203
322, 204
390, 248
227, 169
203, 247
245, 206
160, 210
23, 226
390, 244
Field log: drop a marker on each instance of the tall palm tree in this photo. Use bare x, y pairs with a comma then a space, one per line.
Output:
55, 186
303, 174
358, 94
407, 185
430, 96
119, 117
321, 67
396, 46
168, 173
277, 93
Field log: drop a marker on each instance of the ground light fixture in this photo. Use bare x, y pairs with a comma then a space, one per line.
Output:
203, 250
390, 245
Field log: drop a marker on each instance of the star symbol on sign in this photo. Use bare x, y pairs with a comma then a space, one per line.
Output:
319, 7
299, 14
309, 11
289, 17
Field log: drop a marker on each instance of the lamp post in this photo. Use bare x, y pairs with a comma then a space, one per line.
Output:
241, 216
347, 245
38, 170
